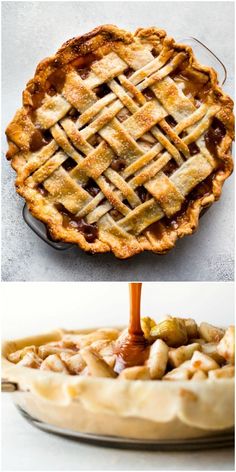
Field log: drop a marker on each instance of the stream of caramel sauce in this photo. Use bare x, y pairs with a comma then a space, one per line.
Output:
132, 349
135, 301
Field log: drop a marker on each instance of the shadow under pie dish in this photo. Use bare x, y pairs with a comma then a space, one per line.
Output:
122, 141
68, 379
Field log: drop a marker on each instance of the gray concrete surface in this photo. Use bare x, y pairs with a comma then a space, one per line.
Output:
34, 30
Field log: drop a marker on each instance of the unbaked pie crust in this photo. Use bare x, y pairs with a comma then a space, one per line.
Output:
133, 409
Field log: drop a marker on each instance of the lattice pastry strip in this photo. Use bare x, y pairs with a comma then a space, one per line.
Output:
164, 191
73, 196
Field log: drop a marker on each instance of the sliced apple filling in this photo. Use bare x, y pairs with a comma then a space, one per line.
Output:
175, 349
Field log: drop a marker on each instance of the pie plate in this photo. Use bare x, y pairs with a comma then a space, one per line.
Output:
194, 444
146, 414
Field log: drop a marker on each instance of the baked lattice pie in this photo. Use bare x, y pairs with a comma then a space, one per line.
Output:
121, 142
176, 349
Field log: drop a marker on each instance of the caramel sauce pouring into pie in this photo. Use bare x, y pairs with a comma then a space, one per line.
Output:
132, 348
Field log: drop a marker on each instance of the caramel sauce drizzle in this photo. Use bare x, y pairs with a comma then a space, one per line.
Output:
135, 299
131, 350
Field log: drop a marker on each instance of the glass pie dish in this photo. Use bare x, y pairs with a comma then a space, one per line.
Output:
188, 404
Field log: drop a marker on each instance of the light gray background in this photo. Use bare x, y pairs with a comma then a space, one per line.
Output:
34, 30
26, 448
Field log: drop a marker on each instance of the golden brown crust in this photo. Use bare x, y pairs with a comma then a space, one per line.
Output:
120, 240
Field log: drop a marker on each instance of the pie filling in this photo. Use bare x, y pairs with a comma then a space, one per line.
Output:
170, 349
195, 86
214, 136
116, 150
69, 220
174, 349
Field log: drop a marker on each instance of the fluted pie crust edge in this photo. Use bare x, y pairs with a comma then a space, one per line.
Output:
135, 409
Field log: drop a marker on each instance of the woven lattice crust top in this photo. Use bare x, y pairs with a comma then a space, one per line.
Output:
122, 140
